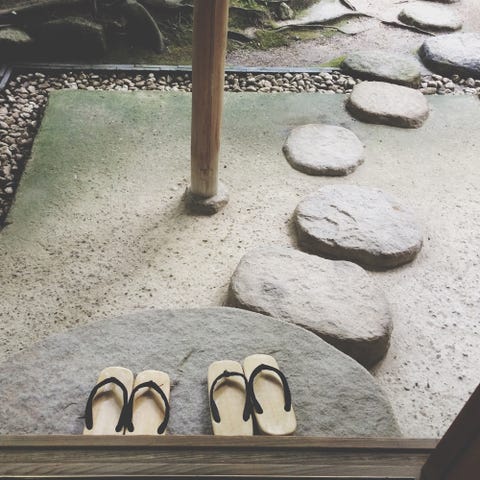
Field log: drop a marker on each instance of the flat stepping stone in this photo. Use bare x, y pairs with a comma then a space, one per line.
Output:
430, 16
359, 224
455, 53
45, 388
384, 66
323, 150
387, 104
338, 301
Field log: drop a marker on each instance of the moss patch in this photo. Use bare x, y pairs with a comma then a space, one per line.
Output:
335, 62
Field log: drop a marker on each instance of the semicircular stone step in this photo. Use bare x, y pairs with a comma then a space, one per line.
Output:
387, 104
45, 388
430, 16
359, 224
454, 53
338, 301
318, 149
383, 66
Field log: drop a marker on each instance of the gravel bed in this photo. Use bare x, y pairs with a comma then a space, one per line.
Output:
23, 101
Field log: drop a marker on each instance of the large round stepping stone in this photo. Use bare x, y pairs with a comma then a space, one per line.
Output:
359, 224
336, 300
430, 16
455, 53
384, 66
44, 389
387, 104
323, 150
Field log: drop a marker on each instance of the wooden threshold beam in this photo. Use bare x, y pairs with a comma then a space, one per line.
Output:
208, 456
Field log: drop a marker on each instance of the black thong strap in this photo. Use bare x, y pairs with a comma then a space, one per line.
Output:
286, 389
247, 411
129, 410
89, 407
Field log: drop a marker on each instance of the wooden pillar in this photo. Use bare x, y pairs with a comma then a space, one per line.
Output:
210, 27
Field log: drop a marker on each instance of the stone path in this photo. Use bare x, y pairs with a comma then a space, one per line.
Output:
295, 286
359, 224
45, 388
379, 102
323, 150
337, 301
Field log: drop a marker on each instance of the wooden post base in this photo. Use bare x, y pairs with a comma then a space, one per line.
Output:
200, 205
210, 28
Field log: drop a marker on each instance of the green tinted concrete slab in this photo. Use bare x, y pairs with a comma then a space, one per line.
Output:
99, 229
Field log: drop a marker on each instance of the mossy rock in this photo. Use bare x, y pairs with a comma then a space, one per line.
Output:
73, 36
142, 28
13, 43
243, 17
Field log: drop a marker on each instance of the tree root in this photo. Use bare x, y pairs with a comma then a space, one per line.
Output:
407, 27
313, 26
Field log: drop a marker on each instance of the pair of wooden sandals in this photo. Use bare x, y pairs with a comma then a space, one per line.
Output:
253, 395
120, 404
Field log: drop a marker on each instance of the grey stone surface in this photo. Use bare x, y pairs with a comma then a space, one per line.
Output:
359, 224
207, 205
44, 389
318, 149
336, 300
383, 66
387, 104
430, 16
73, 36
454, 53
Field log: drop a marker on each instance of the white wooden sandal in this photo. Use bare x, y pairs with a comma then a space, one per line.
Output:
270, 396
230, 407
106, 405
148, 409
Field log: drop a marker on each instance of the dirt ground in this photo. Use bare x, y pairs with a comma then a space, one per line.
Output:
373, 35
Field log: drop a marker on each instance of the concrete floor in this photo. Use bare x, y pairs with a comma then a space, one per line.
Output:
99, 229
